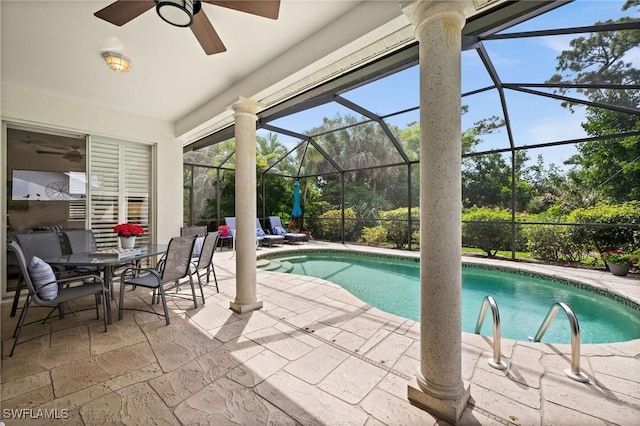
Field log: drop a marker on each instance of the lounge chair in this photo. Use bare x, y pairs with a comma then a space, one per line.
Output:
291, 237
231, 223
268, 239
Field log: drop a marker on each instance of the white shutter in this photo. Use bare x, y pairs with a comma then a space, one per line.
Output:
119, 187
137, 182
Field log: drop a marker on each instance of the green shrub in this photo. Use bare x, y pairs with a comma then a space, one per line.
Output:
554, 243
396, 224
606, 237
331, 224
490, 237
374, 236
415, 238
312, 213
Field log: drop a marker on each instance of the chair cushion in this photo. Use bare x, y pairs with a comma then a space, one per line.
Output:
260, 232
43, 279
279, 230
197, 247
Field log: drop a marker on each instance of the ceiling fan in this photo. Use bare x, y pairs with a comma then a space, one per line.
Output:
73, 155
188, 13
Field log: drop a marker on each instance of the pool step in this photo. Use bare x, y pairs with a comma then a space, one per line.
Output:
274, 265
261, 263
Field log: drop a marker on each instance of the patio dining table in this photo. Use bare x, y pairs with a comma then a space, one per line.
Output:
107, 264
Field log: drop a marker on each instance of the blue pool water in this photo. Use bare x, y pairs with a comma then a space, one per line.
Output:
392, 285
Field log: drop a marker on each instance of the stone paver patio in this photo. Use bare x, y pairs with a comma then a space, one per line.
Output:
314, 355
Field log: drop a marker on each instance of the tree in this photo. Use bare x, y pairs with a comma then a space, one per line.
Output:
609, 166
483, 176
354, 146
545, 184
410, 140
271, 153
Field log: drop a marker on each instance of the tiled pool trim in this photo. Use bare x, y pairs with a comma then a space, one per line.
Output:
514, 270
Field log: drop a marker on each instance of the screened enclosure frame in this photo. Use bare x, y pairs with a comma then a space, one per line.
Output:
476, 33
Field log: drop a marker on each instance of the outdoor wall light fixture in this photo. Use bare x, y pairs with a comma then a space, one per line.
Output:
117, 61
178, 12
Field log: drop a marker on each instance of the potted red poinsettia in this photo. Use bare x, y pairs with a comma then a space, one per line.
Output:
128, 233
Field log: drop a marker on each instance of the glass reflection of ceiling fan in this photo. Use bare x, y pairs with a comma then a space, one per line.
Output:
72, 154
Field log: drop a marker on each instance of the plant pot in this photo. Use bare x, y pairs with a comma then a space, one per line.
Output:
620, 269
128, 242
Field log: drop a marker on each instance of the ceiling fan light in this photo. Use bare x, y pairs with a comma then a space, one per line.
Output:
177, 12
117, 61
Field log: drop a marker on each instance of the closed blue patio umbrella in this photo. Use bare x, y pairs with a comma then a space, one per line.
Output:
296, 211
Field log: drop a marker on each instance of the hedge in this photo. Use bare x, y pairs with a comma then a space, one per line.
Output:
490, 237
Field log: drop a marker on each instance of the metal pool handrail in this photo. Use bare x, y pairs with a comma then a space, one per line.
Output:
497, 361
574, 372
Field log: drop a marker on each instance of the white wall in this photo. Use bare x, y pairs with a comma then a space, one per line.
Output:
27, 107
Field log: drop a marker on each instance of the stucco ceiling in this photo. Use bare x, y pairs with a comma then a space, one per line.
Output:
55, 47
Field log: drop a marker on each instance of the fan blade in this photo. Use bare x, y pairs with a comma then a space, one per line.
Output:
266, 8
206, 34
123, 11
51, 152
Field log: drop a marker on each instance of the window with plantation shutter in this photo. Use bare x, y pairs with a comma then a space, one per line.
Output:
137, 185
120, 188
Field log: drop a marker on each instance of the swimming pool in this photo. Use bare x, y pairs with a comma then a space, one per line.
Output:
392, 285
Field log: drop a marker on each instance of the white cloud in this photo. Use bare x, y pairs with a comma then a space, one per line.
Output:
550, 129
557, 43
633, 56
471, 58
501, 60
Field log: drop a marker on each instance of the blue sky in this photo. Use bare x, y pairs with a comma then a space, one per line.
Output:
534, 119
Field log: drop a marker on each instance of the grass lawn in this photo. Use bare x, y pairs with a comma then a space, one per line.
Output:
501, 253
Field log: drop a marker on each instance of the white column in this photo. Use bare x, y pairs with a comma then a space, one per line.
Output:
246, 210
439, 387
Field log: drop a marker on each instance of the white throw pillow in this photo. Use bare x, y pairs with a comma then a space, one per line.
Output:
43, 279
197, 247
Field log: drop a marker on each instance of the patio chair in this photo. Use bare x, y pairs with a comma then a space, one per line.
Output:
268, 239
48, 291
80, 240
174, 267
204, 261
44, 245
291, 237
200, 231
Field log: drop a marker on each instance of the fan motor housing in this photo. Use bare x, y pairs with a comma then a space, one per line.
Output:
178, 12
